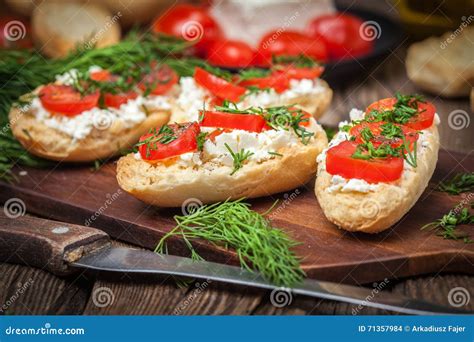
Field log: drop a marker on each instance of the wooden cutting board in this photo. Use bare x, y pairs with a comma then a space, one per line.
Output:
79, 195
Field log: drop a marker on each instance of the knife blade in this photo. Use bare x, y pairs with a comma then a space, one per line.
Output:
64, 248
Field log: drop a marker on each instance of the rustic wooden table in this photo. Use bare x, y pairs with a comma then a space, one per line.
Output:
25, 290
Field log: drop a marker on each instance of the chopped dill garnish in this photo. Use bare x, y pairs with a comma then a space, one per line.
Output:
461, 182
446, 226
233, 225
238, 157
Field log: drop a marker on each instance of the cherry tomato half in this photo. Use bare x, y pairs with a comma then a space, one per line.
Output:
230, 54
339, 161
66, 100
343, 34
161, 80
292, 43
190, 22
185, 140
423, 120
218, 86
278, 81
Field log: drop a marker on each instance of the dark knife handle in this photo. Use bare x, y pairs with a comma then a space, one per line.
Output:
46, 244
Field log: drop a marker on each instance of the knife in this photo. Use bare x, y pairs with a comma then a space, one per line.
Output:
64, 249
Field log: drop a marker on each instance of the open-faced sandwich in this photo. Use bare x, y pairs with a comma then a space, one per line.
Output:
377, 166
227, 153
286, 83
84, 116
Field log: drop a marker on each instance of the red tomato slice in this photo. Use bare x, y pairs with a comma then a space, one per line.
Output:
246, 122
381, 105
339, 161
218, 86
278, 81
66, 100
161, 80
101, 75
190, 22
292, 43
296, 73
423, 120
186, 141
212, 136
116, 100
230, 54
110, 99
411, 135
341, 33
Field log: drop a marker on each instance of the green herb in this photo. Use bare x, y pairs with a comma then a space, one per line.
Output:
461, 182
232, 224
201, 139
24, 70
163, 136
286, 117
391, 131
301, 61
366, 134
275, 154
446, 226
404, 109
238, 157
247, 74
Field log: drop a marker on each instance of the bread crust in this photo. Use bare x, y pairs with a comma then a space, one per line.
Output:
316, 104
171, 186
378, 210
49, 143
58, 27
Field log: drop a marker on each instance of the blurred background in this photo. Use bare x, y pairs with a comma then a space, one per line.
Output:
432, 39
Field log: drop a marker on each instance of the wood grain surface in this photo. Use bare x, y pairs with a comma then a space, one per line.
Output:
27, 290
80, 196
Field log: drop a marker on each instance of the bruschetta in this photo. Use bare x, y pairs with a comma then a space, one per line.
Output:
283, 85
93, 115
377, 166
227, 154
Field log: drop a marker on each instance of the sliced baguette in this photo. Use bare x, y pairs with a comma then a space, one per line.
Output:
49, 143
171, 185
316, 104
375, 211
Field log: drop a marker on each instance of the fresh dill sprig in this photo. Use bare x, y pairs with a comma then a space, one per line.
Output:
200, 140
239, 158
233, 225
461, 182
21, 71
446, 226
